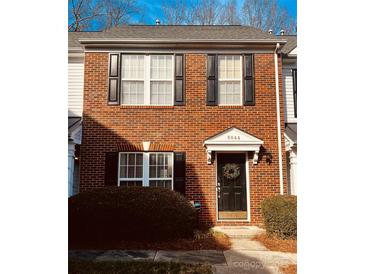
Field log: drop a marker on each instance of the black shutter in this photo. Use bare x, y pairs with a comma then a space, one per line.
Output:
111, 169
179, 80
294, 72
179, 172
248, 80
114, 71
212, 81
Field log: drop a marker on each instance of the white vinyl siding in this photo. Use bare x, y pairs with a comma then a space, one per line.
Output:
75, 86
288, 94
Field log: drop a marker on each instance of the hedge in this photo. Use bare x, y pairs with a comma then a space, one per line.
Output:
130, 213
280, 216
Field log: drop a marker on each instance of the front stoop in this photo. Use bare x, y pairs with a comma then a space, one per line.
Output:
239, 231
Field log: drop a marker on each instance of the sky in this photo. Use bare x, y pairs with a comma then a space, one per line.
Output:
153, 8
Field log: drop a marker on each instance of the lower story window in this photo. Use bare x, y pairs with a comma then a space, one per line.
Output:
153, 169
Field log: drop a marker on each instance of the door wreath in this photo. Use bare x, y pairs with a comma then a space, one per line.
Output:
231, 171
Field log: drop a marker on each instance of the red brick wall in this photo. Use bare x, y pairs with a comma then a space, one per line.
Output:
186, 127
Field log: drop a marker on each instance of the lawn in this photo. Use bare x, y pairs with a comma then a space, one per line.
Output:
208, 239
277, 244
141, 267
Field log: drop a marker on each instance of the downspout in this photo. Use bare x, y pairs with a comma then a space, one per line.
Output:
278, 118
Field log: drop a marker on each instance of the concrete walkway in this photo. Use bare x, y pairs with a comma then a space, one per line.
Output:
245, 256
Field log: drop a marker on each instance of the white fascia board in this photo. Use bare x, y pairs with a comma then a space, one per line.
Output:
148, 41
233, 147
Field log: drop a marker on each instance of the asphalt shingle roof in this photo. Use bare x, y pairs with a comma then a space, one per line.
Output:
290, 45
167, 32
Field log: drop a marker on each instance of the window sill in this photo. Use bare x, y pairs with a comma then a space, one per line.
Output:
146, 107
232, 106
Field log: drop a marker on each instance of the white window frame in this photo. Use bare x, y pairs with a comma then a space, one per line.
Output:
147, 80
146, 168
231, 80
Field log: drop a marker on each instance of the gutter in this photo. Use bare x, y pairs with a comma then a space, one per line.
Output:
278, 118
183, 41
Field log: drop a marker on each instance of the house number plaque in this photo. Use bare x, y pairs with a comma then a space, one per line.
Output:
233, 137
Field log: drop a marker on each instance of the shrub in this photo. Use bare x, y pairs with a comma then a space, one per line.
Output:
133, 213
280, 216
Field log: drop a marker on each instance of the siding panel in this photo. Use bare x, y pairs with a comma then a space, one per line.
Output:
75, 87
288, 94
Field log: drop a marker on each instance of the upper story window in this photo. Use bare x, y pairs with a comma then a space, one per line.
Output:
147, 80
229, 80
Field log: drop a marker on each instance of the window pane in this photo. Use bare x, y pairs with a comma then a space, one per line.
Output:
161, 93
123, 172
130, 183
161, 183
160, 159
139, 159
133, 92
131, 172
133, 67
152, 159
161, 67
123, 159
229, 92
160, 172
229, 67
131, 159
153, 172
139, 171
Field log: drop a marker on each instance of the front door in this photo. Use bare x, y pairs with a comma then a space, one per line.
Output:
231, 186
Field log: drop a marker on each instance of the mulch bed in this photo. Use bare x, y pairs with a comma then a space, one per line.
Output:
202, 240
277, 244
88, 267
289, 269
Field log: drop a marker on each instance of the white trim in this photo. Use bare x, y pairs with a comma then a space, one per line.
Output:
183, 41
247, 188
278, 121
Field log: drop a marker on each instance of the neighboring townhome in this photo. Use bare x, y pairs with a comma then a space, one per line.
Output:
289, 52
196, 109
75, 103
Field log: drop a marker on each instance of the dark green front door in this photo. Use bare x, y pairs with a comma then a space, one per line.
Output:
231, 186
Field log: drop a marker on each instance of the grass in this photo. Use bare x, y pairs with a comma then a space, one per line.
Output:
289, 269
141, 267
277, 244
207, 239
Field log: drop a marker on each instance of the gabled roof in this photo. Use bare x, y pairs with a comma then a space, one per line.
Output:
290, 45
233, 135
175, 33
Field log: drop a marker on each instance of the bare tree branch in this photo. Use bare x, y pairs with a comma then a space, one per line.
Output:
82, 13
267, 14
229, 14
118, 12
175, 12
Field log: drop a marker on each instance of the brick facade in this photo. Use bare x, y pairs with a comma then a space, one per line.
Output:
185, 128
